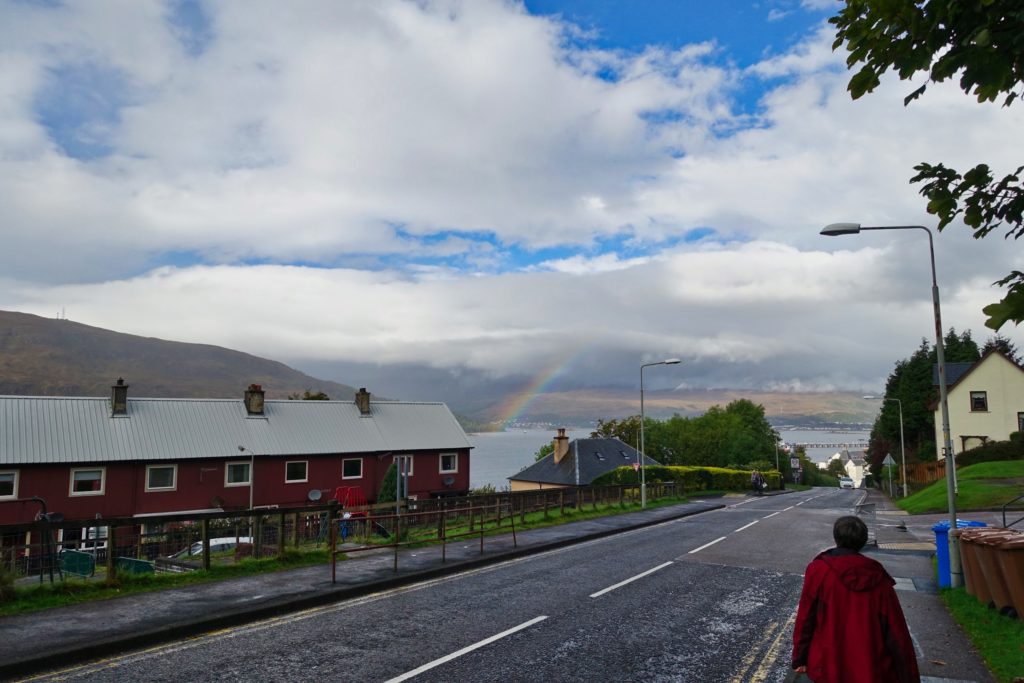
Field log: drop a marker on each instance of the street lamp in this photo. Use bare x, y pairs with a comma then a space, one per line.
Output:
642, 462
903, 448
955, 568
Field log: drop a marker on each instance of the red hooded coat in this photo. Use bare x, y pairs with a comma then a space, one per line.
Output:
849, 626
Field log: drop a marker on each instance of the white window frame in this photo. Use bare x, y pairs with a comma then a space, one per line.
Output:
174, 478
305, 471
13, 495
345, 460
103, 482
398, 468
440, 463
227, 469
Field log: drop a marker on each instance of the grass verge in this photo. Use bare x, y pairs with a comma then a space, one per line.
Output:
74, 591
997, 638
986, 485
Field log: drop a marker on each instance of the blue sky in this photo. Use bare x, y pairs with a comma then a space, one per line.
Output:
473, 189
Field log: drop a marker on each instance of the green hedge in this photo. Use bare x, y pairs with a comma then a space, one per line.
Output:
691, 478
992, 451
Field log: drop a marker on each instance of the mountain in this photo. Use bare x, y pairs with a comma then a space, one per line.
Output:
49, 357
583, 406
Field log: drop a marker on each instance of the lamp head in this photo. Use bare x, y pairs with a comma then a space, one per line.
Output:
835, 229
672, 361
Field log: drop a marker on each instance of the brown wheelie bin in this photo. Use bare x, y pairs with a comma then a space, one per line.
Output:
988, 545
974, 580
1011, 559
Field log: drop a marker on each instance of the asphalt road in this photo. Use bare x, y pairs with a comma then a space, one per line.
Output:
704, 598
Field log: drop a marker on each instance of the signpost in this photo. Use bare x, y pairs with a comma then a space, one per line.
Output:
888, 463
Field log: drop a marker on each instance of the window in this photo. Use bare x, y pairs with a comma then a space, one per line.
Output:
404, 463
1020, 422
87, 482
236, 474
295, 471
161, 477
979, 402
597, 454
449, 463
352, 468
8, 485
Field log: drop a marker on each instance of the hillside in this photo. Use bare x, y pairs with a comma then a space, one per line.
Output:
48, 357
804, 409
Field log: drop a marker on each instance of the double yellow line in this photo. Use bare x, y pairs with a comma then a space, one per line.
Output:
756, 666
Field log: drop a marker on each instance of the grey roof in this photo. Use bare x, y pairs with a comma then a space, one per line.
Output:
954, 371
35, 430
596, 457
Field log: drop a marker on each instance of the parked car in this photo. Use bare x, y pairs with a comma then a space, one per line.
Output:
217, 545
845, 483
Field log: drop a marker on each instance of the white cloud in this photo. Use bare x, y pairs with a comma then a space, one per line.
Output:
351, 132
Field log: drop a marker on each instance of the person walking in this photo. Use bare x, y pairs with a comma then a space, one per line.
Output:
849, 624
757, 482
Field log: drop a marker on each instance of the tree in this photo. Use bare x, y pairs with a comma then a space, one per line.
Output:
388, 485
626, 430
979, 41
308, 395
1004, 346
544, 451
835, 467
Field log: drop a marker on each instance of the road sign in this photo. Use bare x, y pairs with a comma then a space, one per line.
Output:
636, 466
794, 463
888, 461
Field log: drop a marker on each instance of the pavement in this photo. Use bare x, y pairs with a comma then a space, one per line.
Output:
61, 637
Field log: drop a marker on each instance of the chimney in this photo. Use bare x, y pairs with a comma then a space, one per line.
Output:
363, 401
561, 445
119, 398
254, 399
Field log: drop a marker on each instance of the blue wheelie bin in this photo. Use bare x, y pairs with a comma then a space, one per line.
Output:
942, 546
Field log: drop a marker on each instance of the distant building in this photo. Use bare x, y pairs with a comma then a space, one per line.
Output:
986, 401
576, 463
94, 458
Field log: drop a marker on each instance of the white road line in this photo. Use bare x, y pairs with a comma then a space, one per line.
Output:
747, 526
620, 584
447, 658
789, 508
771, 515
706, 545
801, 502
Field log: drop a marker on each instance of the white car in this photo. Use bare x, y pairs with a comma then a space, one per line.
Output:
217, 545
845, 483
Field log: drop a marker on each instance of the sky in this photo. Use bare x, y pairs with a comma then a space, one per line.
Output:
448, 200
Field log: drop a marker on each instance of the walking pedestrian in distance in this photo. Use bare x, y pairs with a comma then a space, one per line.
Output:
849, 625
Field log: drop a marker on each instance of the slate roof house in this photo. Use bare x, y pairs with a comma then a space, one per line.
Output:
122, 457
986, 401
576, 463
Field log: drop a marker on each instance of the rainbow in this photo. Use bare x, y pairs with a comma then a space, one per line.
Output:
512, 408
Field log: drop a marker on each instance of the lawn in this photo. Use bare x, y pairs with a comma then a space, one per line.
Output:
998, 639
985, 486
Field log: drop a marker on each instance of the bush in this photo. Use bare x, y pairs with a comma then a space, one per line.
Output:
992, 451
689, 478
6, 584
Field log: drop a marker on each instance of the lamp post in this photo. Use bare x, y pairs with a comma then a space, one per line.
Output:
642, 458
903, 448
955, 568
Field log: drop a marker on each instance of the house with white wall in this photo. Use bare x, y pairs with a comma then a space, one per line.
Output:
986, 402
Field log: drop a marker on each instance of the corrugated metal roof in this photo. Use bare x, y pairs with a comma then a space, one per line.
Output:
36, 430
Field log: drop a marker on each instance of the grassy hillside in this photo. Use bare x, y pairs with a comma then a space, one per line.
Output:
48, 357
987, 485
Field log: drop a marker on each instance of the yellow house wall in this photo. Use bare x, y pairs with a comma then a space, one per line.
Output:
531, 486
1004, 384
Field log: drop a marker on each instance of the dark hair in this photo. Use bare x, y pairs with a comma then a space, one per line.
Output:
850, 532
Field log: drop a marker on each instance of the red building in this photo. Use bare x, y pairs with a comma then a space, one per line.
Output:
91, 458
